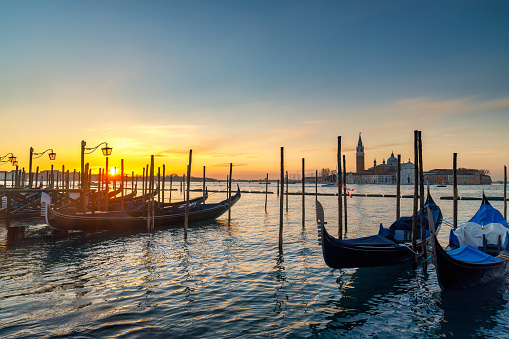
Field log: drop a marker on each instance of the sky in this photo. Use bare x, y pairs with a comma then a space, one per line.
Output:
237, 80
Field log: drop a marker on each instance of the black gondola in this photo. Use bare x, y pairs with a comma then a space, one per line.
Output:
476, 268
383, 249
119, 221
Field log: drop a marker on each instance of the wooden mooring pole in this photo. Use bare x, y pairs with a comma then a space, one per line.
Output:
281, 200
455, 190
122, 185
421, 200
316, 185
186, 222
171, 186
345, 195
416, 197
303, 193
230, 194
398, 188
203, 189
505, 192
286, 191
266, 190
340, 190
164, 182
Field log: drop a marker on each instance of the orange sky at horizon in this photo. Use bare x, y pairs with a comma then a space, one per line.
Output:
235, 81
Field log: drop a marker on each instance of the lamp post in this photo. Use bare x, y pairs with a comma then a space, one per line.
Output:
11, 159
51, 155
87, 150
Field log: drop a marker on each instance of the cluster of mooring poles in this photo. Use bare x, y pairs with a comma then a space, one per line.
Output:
342, 196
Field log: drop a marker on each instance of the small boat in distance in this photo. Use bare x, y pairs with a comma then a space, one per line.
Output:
468, 264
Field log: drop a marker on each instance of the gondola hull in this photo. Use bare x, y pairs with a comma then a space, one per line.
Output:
371, 251
455, 274
344, 256
118, 221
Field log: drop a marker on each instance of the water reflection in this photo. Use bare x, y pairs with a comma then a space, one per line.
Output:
278, 273
470, 311
362, 293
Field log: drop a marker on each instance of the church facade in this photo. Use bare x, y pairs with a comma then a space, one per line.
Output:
384, 173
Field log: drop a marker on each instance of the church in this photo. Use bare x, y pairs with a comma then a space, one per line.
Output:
384, 173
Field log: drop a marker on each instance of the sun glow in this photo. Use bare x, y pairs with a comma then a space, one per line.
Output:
114, 171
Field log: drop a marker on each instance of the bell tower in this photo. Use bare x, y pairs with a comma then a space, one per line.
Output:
360, 156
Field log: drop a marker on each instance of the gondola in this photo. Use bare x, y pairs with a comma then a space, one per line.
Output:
468, 266
389, 247
119, 221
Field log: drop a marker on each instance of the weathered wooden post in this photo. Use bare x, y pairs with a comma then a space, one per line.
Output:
36, 176
186, 222
106, 197
281, 201
73, 178
150, 186
505, 192
421, 200
114, 178
277, 187
340, 190
303, 192
159, 185
52, 178
132, 182
85, 189
143, 193
152, 196
122, 185
230, 194
454, 191
171, 185
286, 191
398, 188
203, 189
416, 197
344, 194
164, 181
266, 190
316, 185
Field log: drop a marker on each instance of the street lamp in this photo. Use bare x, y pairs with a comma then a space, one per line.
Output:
11, 159
87, 150
51, 155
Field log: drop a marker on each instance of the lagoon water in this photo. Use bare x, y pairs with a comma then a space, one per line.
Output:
229, 280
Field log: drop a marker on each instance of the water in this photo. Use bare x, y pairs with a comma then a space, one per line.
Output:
229, 280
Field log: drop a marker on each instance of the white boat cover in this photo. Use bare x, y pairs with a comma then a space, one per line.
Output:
471, 233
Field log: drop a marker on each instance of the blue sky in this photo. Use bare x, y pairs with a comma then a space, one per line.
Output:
235, 80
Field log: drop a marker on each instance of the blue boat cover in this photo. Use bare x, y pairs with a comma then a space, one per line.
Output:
373, 240
453, 239
405, 223
486, 214
471, 254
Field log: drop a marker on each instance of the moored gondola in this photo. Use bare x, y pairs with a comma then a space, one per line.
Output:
468, 266
119, 221
389, 247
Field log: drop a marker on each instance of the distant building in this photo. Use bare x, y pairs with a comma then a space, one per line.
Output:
465, 177
359, 164
384, 173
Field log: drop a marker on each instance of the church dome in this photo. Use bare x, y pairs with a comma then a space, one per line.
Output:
392, 160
